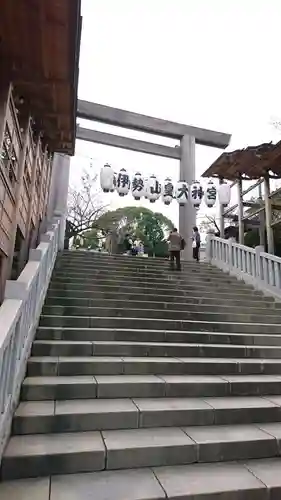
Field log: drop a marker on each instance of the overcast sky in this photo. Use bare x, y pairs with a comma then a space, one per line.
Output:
210, 63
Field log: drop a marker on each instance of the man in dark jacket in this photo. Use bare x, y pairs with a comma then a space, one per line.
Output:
175, 246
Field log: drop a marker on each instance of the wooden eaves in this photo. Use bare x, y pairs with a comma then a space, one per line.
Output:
250, 163
39, 53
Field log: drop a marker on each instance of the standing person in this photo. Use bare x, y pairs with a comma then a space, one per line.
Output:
127, 244
175, 246
141, 248
196, 243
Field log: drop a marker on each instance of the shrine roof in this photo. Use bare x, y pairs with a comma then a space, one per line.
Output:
39, 52
250, 163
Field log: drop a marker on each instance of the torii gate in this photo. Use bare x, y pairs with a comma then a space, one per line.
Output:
188, 136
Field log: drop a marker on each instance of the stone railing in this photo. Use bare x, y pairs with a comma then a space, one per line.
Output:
19, 317
252, 265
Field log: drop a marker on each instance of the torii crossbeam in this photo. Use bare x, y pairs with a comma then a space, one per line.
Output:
188, 136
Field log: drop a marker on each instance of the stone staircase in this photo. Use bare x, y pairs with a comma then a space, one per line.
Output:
145, 384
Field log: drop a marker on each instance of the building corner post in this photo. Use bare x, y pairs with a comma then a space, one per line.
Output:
58, 194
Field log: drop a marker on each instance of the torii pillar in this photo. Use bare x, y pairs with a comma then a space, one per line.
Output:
187, 213
186, 134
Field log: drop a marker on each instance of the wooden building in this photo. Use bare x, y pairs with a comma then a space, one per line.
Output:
255, 163
39, 53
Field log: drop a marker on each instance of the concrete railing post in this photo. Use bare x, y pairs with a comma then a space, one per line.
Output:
230, 254
209, 247
259, 269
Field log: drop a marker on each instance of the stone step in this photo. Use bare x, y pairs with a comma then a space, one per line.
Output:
44, 417
78, 290
136, 264
258, 479
158, 324
44, 388
89, 313
99, 298
117, 258
132, 270
65, 308
135, 269
135, 335
113, 365
142, 264
165, 274
153, 270
59, 453
147, 349
159, 281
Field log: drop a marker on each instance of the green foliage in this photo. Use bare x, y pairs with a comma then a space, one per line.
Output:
252, 238
91, 239
141, 224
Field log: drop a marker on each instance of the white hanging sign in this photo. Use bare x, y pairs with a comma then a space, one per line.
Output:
196, 194
168, 191
138, 188
210, 194
123, 182
224, 194
107, 178
154, 189
182, 193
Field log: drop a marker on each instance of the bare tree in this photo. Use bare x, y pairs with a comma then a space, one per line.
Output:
209, 222
84, 206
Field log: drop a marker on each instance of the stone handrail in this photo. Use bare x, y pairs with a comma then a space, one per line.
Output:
252, 265
19, 317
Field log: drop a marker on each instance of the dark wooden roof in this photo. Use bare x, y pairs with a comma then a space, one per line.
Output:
39, 52
252, 162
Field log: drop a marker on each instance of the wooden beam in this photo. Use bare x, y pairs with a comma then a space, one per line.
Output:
230, 209
276, 205
42, 82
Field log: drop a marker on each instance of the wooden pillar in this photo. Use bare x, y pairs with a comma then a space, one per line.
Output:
240, 211
5, 95
44, 223
221, 214
262, 228
5, 92
42, 189
262, 221
32, 190
20, 174
268, 215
